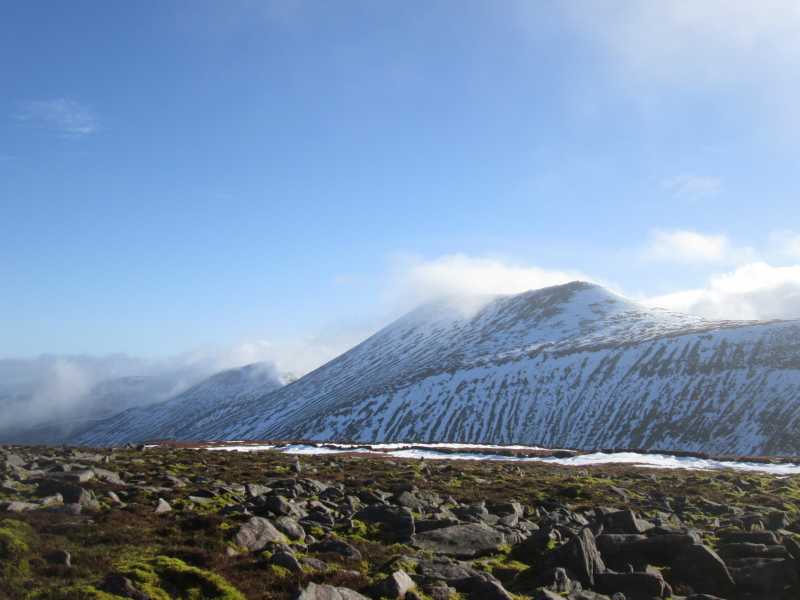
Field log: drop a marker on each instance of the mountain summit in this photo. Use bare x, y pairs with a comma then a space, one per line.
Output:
571, 365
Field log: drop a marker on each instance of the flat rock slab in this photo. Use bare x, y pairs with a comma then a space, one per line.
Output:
462, 541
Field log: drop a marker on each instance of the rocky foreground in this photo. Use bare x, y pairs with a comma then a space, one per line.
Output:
168, 523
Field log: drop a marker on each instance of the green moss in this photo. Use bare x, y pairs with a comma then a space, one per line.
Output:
167, 578
359, 529
15, 540
317, 532
280, 572
74, 592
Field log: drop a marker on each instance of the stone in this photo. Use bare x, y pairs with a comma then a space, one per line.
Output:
331, 546
120, 585
394, 587
256, 489
397, 524
314, 591
580, 557
287, 560
108, 476
702, 569
750, 537
409, 500
439, 591
624, 521
778, 519
59, 557
14, 460
162, 507
314, 564
72, 508
279, 505
765, 577
662, 549
176, 482
256, 533
748, 549
80, 476
17, 506
635, 586
444, 569
290, 528
505, 509
483, 586
70, 492
469, 540
54, 500
557, 580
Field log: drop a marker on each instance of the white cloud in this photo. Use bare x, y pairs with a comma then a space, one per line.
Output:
688, 247
695, 42
753, 291
291, 357
692, 187
458, 275
741, 54
67, 116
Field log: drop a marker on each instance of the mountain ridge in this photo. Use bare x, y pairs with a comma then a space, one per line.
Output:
572, 365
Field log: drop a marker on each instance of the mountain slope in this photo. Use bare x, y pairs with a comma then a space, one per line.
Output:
196, 406
572, 365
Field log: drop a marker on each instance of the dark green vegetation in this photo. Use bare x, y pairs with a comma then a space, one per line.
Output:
167, 523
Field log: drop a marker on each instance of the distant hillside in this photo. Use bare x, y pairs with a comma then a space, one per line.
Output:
196, 407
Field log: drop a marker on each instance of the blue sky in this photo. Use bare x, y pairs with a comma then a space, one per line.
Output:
288, 175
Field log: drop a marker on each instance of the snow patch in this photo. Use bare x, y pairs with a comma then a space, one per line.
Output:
429, 451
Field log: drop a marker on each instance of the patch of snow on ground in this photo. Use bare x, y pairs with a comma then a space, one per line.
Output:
428, 451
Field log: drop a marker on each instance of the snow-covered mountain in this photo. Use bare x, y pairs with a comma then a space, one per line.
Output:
196, 407
571, 365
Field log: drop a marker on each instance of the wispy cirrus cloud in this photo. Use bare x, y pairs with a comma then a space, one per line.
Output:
708, 48
66, 116
692, 187
687, 247
702, 44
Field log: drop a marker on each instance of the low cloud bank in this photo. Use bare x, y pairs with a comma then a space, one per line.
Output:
752, 291
62, 392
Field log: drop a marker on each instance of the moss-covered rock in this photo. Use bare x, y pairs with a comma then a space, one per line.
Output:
167, 578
